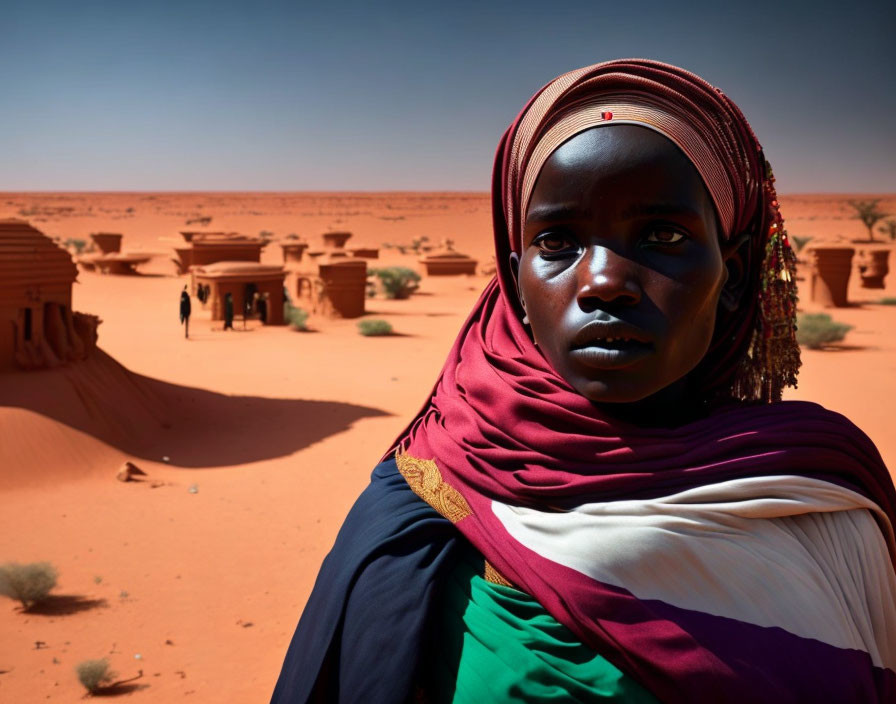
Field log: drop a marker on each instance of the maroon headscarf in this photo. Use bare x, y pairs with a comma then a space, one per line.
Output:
502, 425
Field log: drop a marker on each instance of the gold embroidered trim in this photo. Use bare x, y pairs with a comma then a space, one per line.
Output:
424, 477
492, 575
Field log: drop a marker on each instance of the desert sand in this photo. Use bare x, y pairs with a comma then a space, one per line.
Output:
255, 442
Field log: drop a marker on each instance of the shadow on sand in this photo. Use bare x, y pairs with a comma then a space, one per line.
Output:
121, 687
152, 419
65, 605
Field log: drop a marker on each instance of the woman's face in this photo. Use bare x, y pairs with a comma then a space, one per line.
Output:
621, 269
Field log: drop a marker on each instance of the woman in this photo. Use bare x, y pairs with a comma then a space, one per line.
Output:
604, 498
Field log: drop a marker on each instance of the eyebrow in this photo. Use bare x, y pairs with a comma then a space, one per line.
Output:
555, 211
641, 209
565, 211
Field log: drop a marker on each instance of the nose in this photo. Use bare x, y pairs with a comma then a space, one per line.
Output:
604, 276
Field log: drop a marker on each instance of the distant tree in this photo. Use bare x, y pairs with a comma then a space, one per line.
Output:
869, 213
889, 228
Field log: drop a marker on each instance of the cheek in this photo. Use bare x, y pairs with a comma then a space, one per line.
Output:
546, 300
691, 304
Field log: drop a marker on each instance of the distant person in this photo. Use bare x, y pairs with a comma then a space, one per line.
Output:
228, 311
247, 309
262, 307
185, 309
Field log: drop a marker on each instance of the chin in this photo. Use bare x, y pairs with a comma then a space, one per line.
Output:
603, 392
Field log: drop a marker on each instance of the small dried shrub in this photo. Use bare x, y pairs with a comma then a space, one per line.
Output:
93, 674
296, 318
815, 330
29, 583
800, 242
888, 301
397, 281
76, 244
374, 327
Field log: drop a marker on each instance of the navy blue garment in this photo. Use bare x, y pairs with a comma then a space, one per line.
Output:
359, 638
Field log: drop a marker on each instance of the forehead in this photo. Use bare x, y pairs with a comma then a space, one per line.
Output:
618, 165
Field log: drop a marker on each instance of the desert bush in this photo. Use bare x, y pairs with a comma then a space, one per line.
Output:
815, 330
77, 245
374, 327
889, 228
800, 242
296, 318
93, 674
266, 235
29, 583
397, 281
888, 301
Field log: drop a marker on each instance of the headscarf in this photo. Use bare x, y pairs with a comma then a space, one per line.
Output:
502, 428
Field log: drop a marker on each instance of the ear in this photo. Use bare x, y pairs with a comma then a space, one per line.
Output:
515, 272
736, 257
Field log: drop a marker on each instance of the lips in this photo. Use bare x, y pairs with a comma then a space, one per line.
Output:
610, 345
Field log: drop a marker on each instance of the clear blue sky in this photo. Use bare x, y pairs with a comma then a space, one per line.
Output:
194, 95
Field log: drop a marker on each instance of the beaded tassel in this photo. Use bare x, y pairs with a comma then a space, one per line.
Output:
774, 356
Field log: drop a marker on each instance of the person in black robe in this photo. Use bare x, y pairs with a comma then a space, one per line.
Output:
228, 311
185, 310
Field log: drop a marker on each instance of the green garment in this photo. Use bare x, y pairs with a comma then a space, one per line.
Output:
497, 644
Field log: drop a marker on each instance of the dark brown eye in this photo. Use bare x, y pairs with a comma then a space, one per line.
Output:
665, 236
552, 242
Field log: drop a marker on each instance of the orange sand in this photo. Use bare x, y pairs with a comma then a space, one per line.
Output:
277, 430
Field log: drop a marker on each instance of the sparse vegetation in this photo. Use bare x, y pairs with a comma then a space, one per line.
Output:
28, 583
419, 244
266, 235
93, 674
76, 244
889, 228
817, 330
201, 220
374, 327
296, 318
888, 301
800, 242
869, 213
397, 281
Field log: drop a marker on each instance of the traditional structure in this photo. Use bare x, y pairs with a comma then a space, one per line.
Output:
37, 326
108, 242
292, 252
831, 267
118, 263
210, 247
244, 281
338, 289
874, 266
448, 263
365, 252
336, 240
